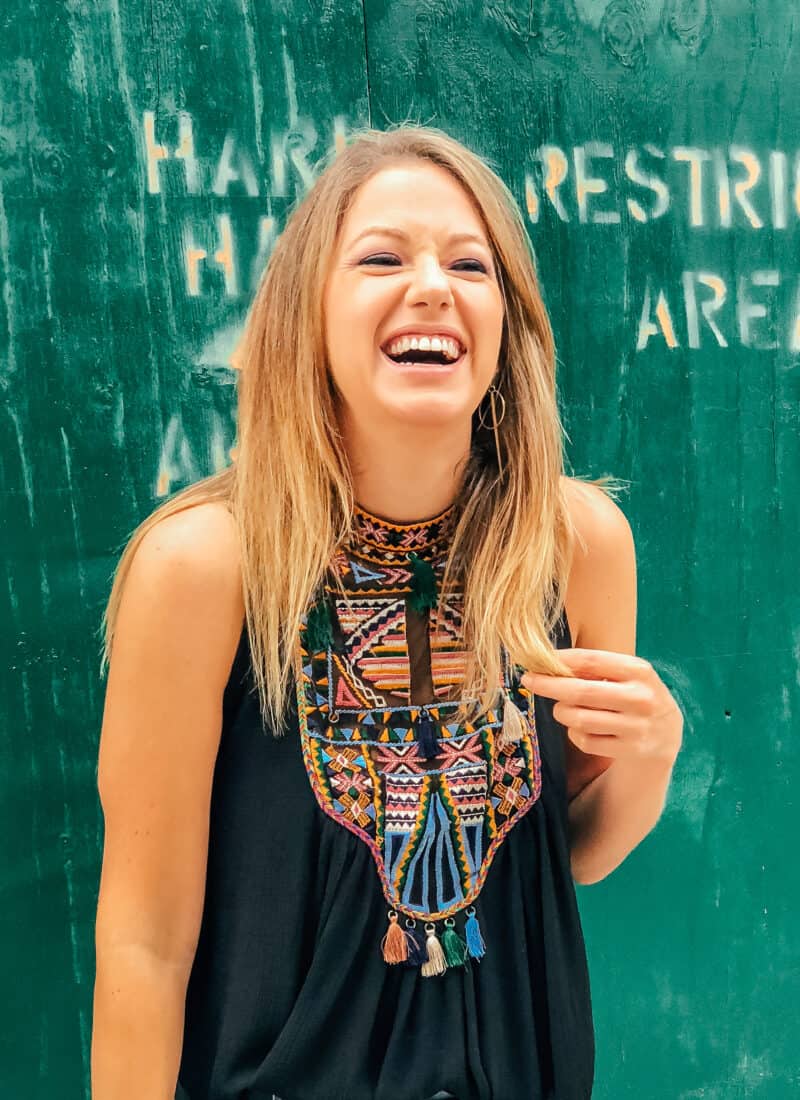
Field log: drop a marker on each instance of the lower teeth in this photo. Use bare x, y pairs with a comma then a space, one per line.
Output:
443, 362
424, 362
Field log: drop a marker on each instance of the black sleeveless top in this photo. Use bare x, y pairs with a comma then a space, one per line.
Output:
319, 836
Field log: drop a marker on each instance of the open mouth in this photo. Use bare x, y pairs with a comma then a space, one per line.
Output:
429, 363
412, 351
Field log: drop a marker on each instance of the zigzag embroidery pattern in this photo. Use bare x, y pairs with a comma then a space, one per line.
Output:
433, 825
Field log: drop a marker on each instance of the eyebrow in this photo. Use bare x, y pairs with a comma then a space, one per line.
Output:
400, 234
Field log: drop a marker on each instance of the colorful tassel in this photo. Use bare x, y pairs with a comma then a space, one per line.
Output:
417, 954
426, 735
433, 956
394, 944
437, 963
319, 627
475, 944
513, 724
424, 593
455, 950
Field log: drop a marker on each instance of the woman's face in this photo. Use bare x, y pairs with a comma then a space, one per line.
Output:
412, 305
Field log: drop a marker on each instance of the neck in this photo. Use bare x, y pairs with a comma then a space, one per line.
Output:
405, 474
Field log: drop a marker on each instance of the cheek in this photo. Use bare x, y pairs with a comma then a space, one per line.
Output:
351, 320
338, 323
490, 334
487, 309
348, 342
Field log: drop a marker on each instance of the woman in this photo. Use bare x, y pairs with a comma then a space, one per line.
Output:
344, 817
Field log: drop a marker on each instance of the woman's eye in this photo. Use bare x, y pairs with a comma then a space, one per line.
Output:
386, 259
382, 259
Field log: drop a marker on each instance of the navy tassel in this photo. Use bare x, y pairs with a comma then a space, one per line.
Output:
426, 735
417, 951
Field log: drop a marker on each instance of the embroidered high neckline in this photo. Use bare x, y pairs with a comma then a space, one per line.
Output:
428, 538
433, 792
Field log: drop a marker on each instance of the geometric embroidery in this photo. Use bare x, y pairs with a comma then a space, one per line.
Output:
462, 750
344, 696
433, 825
396, 759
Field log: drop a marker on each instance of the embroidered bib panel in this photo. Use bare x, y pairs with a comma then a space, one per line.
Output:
432, 797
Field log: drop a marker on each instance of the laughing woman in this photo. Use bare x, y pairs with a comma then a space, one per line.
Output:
373, 706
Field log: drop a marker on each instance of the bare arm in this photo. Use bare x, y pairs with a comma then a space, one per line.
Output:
179, 623
631, 727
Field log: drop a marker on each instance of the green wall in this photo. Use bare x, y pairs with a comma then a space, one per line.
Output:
148, 153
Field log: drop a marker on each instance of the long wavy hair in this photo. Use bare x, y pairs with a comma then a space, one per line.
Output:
290, 488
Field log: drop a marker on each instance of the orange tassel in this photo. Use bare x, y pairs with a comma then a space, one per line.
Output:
394, 943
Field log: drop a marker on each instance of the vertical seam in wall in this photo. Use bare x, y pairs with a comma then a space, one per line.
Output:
155, 49
366, 60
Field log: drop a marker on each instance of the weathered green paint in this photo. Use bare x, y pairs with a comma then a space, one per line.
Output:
116, 389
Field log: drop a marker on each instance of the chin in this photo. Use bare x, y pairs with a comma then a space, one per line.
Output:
428, 411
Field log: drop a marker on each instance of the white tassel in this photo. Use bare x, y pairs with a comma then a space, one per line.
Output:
436, 962
513, 724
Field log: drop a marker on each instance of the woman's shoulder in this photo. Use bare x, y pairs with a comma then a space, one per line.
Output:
211, 518
192, 556
201, 537
603, 548
586, 497
598, 519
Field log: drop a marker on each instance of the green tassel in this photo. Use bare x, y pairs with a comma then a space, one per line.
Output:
424, 593
319, 628
455, 950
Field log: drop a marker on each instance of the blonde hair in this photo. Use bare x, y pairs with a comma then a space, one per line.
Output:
290, 489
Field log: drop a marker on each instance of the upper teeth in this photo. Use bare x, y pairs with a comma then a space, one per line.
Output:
447, 346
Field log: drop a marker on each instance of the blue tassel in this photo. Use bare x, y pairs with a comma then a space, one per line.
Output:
426, 735
475, 945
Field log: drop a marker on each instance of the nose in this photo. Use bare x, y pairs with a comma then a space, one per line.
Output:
429, 284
